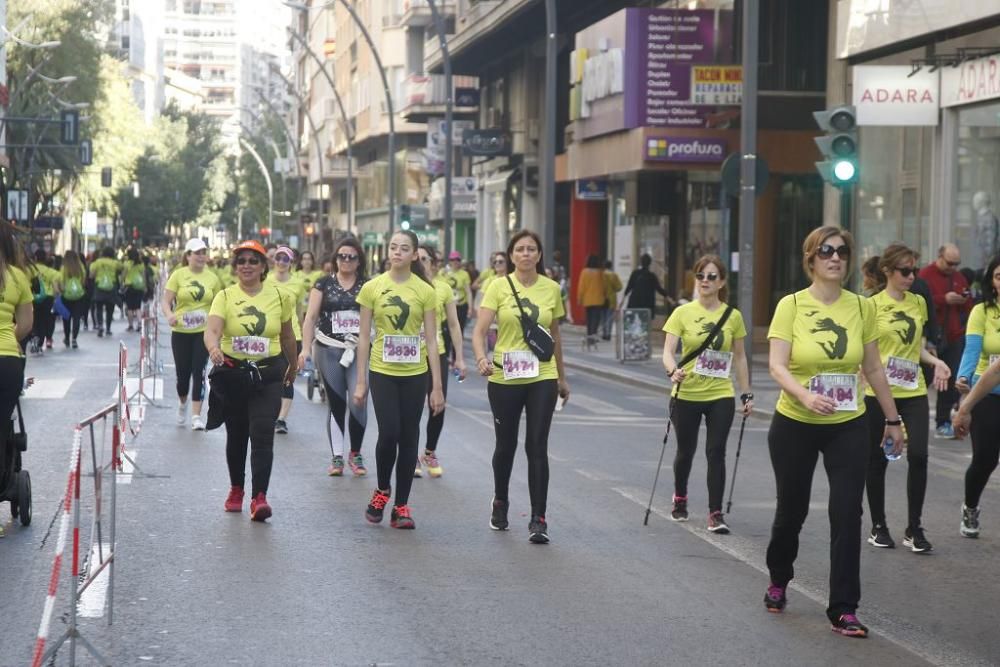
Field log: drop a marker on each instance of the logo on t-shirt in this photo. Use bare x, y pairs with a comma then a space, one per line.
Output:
530, 309
258, 324
720, 338
910, 330
397, 321
197, 290
837, 348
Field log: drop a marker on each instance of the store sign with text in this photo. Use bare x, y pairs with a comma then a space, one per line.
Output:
895, 96
685, 149
973, 81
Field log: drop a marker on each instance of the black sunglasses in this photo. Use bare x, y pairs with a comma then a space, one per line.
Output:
706, 276
906, 271
347, 258
826, 251
252, 261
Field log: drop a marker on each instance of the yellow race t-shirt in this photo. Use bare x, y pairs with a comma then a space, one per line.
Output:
900, 332
308, 279
252, 324
104, 271
225, 275
827, 350
708, 377
459, 280
398, 315
444, 295
135, 275
513, 360
16, 292
74, 287
194, 293
985, 323
295, 290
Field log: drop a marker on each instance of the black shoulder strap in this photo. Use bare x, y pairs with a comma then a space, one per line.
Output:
517, 299
708, 339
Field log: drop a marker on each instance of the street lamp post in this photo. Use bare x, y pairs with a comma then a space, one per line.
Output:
274, 148
347, 130
748, 163
293, 145
449, 105
267, 177
388, 97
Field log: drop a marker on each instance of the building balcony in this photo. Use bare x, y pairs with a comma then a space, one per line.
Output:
425, 95
417, 13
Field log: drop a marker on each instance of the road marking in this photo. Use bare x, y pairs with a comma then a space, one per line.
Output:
748, 553
92, 600
152, 388
596, 477
49, 388
598, 406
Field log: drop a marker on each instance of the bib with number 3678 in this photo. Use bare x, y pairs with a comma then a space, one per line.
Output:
841, 388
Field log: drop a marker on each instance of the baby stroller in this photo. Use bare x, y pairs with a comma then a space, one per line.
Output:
15, 483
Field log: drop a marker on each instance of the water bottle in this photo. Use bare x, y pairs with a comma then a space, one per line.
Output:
887, 446
458, 375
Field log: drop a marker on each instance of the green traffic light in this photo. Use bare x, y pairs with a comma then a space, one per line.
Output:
844, 170
405, 225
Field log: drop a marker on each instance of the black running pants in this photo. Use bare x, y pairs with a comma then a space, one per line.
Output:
250, 424
190, 357
985, 432
718, 416
399, 404
436, 422
915, 413
77, 311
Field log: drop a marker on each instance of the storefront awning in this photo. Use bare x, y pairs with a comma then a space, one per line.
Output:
498, 181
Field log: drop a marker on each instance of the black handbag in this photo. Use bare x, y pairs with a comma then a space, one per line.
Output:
538, 340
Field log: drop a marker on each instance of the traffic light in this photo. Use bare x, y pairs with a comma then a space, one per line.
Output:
106, 177
405, 216
839, 146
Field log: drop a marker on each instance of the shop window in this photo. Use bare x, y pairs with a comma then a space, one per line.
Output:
974, 227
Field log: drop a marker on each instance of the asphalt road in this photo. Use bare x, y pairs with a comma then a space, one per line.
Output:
317, 585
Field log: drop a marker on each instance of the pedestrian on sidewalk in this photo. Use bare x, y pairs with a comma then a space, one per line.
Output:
612, 285
73, 278
104, 270
294, 289
901, 318
952, 304
461, 283
133, 278
44, 285
523, 377
399, 303
590, 293
333, 321
250, 341
642, 287
982, 350
187, 298
820, 337
706, 384
447, 318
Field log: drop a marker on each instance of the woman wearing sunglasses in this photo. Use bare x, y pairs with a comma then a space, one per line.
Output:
294, 289
703, 387
498, 269
820, 337
901, 317
447, 318
333, 321
399, 302
982, 350
249, 322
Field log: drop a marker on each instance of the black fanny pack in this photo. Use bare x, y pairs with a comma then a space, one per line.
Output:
538, 340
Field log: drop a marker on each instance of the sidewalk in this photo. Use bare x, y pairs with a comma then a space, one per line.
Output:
650, 374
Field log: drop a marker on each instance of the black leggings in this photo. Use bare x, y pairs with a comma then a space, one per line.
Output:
77, 311
538, 400
288, 391
104, 312
190, 357
250, 423
795, 446
41, 329
985, 432
436, 422
915, 413
11, 383
594, 316
687, 422
399, 404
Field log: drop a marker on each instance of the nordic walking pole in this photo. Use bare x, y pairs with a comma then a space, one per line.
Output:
670, 418
736, 466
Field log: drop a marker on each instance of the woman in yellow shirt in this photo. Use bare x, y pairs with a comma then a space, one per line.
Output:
590, 293
704, 385
820, 337
134, 279
45, 287
104, 270
250, 341
294, 289
73, 278
399, 303
16, 320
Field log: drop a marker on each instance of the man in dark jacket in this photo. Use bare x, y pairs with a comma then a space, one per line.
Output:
643, 285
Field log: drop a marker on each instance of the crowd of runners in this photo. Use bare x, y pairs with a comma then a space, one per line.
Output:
854, 370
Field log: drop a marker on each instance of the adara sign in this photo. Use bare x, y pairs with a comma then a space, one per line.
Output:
975, 81
890, 95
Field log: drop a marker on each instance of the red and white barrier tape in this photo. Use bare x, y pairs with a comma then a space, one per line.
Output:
72, 491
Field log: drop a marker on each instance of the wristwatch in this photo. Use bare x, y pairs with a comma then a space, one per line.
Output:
898, 421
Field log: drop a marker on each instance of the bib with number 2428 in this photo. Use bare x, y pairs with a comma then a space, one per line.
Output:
519, 364
401, 349
841, 388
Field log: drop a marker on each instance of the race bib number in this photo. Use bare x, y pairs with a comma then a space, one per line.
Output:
841, 388
401, 349
194, 319
345, 322
714, 364
252, 346
519, 364
902, 373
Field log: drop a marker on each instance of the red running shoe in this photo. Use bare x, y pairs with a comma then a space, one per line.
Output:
234, 501
259, 509
377, 506
401, 518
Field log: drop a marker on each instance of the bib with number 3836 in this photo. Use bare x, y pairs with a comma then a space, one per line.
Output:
401, 349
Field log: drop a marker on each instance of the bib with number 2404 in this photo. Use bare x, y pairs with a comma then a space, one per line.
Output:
519, 365
902, 373
401, 349
841, 388
193, 319
252, 346
713, 364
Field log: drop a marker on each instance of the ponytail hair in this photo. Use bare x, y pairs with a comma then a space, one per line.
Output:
887, 262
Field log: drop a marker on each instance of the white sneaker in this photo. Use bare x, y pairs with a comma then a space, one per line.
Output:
182, 414
197, 424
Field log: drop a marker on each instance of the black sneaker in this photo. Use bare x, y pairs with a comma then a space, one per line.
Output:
100, 333
849, 626
498, 519
280, 426
914, 538
880, 537
717, 523
74, 345
680, 511
65, 341
774, 599
970, 521
538, 530
376, 508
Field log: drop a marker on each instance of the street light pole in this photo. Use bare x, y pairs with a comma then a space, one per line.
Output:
267, 177
292, 145
748, 164
449, 105
548, 174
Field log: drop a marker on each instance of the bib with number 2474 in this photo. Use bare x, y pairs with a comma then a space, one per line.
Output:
519, 365
713, 364
841, 388
401, 349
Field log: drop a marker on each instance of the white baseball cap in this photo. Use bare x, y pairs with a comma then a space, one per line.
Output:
194, 245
